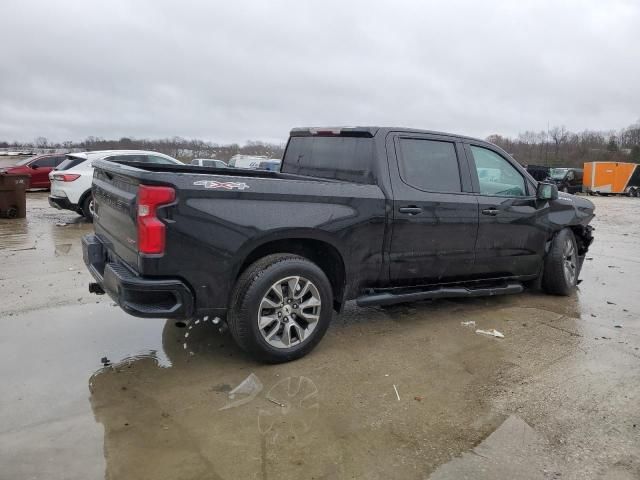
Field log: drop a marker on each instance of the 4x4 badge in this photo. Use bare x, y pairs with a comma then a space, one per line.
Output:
222, 185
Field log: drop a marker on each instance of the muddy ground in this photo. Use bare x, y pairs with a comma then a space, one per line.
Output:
558, 397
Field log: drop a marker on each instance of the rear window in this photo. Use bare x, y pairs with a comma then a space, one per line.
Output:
340, 158
70, 162
429, 165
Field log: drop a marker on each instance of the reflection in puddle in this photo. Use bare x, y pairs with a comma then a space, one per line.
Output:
294, 410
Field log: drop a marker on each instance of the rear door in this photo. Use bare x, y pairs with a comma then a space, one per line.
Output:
435, 214
511, 238
41, 169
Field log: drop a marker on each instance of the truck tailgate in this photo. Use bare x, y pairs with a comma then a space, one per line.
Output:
115, 206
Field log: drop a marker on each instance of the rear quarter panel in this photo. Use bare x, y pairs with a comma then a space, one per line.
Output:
218, 220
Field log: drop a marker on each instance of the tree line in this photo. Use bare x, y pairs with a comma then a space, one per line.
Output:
177, 147
558, 146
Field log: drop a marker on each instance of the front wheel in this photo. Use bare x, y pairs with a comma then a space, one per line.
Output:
281, 308
561, 265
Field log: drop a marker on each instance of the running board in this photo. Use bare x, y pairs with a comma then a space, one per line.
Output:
388, 298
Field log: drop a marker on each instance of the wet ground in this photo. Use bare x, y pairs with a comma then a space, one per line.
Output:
558, 397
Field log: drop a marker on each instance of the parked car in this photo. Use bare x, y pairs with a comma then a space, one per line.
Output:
568, 180
539, 172
246, 161
37, 168
380, 215
208, 162
71, 180
271, 165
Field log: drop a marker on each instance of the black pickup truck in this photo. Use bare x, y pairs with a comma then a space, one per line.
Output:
380, 215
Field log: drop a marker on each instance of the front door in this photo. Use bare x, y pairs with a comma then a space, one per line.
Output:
511, 233
435, 214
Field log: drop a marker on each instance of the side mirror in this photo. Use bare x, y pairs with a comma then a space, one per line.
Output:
546, 191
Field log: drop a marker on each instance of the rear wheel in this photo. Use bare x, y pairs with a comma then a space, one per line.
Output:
281, 308
561, 266
87, 207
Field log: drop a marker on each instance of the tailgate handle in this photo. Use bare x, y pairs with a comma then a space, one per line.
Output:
410, 210
490, 211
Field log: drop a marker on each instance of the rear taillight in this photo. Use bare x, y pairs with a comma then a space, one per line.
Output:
65, 177
151, 231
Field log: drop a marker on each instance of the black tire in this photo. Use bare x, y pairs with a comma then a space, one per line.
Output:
251, 288
86, 208
555, 280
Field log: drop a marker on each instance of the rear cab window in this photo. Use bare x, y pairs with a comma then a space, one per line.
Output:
333, 157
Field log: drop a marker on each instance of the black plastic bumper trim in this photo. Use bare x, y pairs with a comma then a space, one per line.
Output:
136, 295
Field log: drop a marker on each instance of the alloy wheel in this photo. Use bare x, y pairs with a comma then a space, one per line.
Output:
289, 312
569, 262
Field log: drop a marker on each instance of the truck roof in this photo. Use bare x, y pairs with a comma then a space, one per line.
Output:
369, 131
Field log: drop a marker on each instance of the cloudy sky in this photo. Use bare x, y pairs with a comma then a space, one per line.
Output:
239, 70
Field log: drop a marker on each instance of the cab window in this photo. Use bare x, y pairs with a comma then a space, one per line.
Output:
496, 175
429, 165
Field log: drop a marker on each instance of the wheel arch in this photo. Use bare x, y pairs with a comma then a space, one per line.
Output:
319, 251
83, 197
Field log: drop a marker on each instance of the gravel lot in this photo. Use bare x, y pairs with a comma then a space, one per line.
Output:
558, 397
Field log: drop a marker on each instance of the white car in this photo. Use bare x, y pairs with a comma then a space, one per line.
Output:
71, 180
208, 162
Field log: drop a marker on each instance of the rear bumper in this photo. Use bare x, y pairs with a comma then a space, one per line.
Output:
136, 295
61, 203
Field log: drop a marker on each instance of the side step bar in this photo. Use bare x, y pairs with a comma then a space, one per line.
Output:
389, 298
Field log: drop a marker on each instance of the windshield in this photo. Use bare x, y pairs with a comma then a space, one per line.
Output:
558, 173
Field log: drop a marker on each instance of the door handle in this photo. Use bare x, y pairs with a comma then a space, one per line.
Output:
410, 210
490, 211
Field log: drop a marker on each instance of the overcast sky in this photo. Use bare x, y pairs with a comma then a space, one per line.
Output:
236, 70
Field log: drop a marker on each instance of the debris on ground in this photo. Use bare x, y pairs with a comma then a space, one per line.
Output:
418, 398
470, 323
61, 224
105, 361
617, 326
276, 402
248, 389
493, 333
397, 394
610, 303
